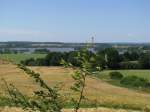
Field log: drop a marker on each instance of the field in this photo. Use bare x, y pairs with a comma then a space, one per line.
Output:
19, 57
140, 73
106, 95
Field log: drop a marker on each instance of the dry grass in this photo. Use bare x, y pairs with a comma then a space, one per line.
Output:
96, 89
8, 109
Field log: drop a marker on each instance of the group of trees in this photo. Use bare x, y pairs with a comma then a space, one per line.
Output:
108, 58
8, 51
41, 51
54, 59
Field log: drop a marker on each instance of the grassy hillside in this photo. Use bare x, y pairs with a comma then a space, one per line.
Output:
140, 73
19, 57
145, 74
96, 90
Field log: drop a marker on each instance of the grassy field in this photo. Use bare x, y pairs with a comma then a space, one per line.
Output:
140, 73
104, 94
19, 57
104, 75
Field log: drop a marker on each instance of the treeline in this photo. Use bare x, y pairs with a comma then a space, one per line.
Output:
108, 58
8, 51
54, 59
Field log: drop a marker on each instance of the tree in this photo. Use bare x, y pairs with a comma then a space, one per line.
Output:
99, 61
29, 62
145, 60
72, 58
53, 59
131, 56
40, 62
56, 59
111, 57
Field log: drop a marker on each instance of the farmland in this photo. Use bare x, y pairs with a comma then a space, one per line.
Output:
140, 73
106, 95
97, 89
17, 58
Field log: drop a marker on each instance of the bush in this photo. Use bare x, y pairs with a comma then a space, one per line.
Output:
134, 81
29, 62
115, 75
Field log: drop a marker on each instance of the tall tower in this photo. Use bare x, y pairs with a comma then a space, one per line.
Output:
92, 44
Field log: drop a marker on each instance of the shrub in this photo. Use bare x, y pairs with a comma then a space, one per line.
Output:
116, 75
29, 62
134, 81
46, 99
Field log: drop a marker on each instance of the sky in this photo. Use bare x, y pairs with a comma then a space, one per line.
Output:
75, 20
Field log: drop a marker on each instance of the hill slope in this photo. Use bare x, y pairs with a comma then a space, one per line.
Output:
96, 90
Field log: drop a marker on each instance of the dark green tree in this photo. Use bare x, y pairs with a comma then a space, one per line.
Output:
111, 57
145, 60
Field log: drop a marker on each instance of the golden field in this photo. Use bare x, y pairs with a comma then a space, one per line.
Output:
96, 90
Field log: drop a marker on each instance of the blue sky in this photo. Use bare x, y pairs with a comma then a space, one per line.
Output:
75, 20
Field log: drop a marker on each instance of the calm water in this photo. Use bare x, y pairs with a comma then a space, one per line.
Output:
53, 49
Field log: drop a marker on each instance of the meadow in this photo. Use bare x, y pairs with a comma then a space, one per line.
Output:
17, 58
140, 73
